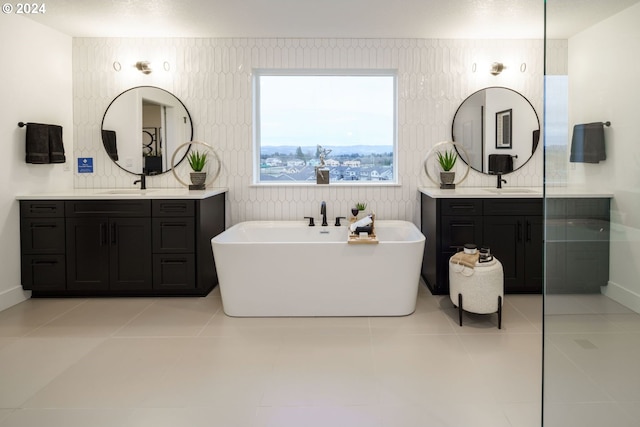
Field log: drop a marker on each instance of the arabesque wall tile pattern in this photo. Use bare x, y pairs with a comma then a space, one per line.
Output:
213, 78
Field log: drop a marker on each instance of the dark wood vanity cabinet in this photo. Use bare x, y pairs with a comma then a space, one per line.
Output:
512, 228
120, 247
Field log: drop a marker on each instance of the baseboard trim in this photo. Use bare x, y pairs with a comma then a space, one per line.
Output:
624, 296
13, 296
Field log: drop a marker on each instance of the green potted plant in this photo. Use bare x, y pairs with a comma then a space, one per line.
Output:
447, 161
359, 207
197, 161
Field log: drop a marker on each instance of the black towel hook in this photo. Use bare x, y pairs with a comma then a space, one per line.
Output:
607, 123
22, 124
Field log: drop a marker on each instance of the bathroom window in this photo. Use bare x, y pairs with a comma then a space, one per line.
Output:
344, 122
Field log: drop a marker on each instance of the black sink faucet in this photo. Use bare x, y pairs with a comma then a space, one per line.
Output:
142, 181
323, 212
500, 181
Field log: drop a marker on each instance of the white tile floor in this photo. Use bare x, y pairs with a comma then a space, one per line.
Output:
592, 355
182, 362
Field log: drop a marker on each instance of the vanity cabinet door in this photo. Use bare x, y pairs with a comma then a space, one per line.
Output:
88, 254
513, 229
505, 236
517, 242
130, 254
108, 254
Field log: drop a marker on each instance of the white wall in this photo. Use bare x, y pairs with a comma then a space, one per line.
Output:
604, 84
213, 78
36, 86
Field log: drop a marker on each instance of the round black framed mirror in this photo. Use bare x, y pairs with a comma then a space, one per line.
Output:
142, 127
498, 128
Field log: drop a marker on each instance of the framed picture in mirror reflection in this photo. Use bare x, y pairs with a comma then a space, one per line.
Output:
503, 128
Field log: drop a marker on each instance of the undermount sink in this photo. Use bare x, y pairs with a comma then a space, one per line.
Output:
125, 191
512, 190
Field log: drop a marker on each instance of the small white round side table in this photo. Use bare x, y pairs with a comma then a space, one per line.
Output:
477, 290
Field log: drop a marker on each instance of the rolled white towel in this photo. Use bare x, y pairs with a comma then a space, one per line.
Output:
361, 223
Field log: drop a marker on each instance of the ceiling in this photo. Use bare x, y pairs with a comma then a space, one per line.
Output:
326, 18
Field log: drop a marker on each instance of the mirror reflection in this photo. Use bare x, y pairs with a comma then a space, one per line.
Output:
142, 127
498, 128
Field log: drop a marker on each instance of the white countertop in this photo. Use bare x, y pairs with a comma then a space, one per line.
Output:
513, 192
124, 193
571, 192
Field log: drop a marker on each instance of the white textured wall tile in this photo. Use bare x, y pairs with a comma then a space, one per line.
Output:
213, 78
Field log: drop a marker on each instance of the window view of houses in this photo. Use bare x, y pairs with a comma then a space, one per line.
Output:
342, 122
298, 164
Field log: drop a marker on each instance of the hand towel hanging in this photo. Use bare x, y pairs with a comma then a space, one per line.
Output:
43, 143
587, 143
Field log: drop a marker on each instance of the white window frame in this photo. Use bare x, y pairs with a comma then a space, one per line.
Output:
257, 73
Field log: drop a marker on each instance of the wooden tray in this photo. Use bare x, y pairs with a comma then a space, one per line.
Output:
354, 239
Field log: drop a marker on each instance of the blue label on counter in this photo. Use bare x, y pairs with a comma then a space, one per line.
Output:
85, 164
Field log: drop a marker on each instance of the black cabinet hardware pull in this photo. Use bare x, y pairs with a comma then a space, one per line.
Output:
462, 206
103, 234
113, 234
43, 262
519, 231
181, 207
173, 261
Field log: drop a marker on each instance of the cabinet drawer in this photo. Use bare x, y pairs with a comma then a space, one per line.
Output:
121, 208
42, 236
461, 206
173, 235
513, 207
43, 272
41, 208
174, 271
169, 208
458, 230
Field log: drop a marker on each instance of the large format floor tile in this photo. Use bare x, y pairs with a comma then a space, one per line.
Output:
136, 362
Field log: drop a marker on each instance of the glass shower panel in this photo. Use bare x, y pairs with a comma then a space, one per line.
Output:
591, 351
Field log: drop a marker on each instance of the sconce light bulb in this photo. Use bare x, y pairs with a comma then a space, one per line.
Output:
497, 68
144, 67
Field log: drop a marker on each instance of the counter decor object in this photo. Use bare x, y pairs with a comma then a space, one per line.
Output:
197, 161
440, 162
203, 160
447, 161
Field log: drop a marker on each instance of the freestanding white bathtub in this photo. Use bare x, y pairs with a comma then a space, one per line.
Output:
286, 268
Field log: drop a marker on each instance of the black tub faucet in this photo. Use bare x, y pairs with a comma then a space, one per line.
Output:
500, 181
142, 181
323, 212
